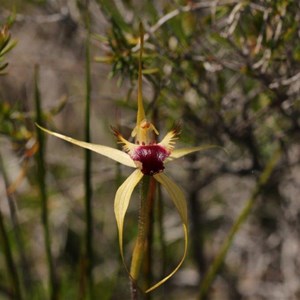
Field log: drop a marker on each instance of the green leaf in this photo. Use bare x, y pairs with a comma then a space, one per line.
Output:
8, 47
2, 67
110, 8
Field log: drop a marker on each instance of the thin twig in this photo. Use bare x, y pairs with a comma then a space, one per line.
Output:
176, 12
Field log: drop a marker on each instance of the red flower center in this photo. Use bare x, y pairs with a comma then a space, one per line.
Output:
150, 158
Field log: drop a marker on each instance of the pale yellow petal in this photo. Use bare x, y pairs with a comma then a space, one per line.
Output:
109, 152
177, 153
122, 200
170, 138
127, 146
179, 201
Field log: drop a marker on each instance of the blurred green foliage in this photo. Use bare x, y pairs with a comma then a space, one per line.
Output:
6, 44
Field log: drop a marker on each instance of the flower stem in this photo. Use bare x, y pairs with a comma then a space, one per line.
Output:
147, 197
217, 263
149, 246
161, 232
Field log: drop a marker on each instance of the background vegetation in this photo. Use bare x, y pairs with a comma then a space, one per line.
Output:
229, 71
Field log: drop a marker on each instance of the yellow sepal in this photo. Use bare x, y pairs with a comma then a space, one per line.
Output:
121, 204
112, 153
179, 201
177, 153
141, 111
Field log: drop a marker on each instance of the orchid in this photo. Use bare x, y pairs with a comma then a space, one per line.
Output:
149, 158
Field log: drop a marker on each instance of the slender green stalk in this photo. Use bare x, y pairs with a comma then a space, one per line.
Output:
53, 281
217, 263
26, 277
88, 164
12, 271
161, 232
147, 196
148, 271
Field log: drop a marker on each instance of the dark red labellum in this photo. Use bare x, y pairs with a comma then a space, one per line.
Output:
151, 158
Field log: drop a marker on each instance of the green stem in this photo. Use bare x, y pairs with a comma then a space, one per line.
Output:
25, 267
53, 282
147, 196
217, 263
87, 172
149, 244
12, 271
161, 232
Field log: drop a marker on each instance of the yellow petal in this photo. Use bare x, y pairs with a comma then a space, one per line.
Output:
127, 146
122, 200
109, 152
179, 201
177, 153
170, 139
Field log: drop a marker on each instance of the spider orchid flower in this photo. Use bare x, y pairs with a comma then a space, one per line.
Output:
148, 157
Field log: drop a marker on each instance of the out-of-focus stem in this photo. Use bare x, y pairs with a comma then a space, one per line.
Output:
88, 160
26, 272
12, 271
54, 288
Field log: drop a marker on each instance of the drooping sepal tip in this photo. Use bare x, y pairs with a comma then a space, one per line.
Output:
179, 201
